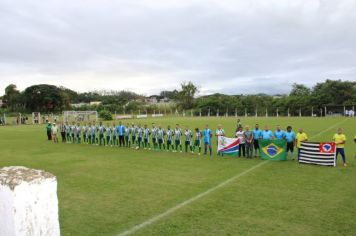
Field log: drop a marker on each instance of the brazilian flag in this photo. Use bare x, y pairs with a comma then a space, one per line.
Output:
273, 150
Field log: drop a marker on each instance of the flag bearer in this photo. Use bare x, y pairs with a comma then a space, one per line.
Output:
279, 134
240, 134
290, 137
340, 139
257, 134
219, 133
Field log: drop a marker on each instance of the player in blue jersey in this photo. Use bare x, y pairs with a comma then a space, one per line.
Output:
207, 139
257, 135
290, 137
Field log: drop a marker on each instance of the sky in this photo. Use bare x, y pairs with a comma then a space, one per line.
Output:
226, 46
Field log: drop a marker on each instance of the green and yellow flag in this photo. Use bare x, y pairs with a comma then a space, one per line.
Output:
273, 150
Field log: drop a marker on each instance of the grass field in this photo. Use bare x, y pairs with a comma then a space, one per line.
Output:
106, 191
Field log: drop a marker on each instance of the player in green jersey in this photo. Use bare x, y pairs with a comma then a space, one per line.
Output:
146, 137
170, 134
197, 140
160, 138
188, 140
178, 141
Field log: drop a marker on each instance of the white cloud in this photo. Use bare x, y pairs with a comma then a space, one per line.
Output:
147, 46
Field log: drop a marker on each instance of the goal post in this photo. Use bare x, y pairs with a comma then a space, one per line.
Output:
79, 116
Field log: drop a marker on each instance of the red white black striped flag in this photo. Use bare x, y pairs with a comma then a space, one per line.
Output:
317, 153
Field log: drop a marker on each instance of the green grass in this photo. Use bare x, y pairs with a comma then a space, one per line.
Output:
105, 191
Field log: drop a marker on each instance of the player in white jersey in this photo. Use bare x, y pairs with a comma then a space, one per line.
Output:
170, 134
188, 140
178, 136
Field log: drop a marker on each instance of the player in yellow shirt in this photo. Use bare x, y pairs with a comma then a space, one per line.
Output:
299, 138
340, 139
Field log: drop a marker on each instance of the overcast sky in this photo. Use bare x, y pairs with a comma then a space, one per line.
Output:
229, 46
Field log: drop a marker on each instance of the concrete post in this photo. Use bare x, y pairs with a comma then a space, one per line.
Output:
28, 202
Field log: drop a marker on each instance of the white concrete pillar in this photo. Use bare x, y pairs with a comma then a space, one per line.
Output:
28, 202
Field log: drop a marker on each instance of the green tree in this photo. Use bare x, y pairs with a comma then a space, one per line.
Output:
186, 95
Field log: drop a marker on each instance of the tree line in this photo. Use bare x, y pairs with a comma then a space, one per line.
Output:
301, 100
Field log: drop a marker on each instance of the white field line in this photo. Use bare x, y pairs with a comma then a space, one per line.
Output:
203, 194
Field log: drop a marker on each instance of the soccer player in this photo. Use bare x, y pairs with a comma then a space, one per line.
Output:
63, 132
197, 141
121, 133
139, 136
154, 136
207, 139
257, 134
178, 135
78, 131
115, 135
84, 132
68, 135
127, 135
54, 130
146, 137
340, 139
188, 140
88, 134
108, 134
133, 135
170, 134
101, 134
249, 141
290, 137
266, 133
73, 132
219, 132
93, 134
300, 137
160, 137
279, 134
240, 134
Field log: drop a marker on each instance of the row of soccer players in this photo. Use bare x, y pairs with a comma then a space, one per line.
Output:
138, 136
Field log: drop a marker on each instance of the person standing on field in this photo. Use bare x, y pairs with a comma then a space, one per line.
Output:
207, 139
219, 133
248, 141
340, 139
267, 134
241, 136
63, 132
290, 138
300, 137
54, 130
49, 131
257, 134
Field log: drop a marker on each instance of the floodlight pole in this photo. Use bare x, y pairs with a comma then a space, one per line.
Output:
266, 112
245, 112
277, 113
325, 110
